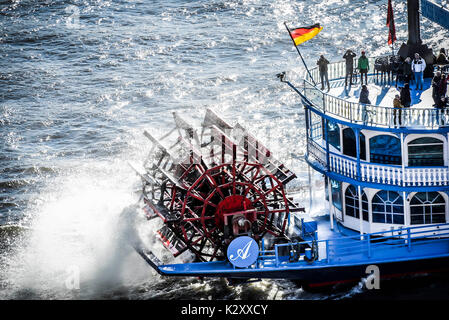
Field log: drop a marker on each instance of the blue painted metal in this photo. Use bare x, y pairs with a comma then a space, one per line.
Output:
435, 12
400, 245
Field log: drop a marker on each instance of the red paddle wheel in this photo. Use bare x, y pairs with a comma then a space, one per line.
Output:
210, 189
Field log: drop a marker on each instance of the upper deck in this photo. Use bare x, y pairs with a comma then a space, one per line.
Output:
342, 105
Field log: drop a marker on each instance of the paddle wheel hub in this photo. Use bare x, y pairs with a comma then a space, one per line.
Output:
210, 189
236, 207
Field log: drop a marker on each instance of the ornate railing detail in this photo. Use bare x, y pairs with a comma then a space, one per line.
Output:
394, 175
370, 115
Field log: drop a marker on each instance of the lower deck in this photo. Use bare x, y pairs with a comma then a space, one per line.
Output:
339, 255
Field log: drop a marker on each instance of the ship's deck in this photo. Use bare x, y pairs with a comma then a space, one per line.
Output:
382, 93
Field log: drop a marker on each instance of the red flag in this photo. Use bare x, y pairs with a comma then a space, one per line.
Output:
390, 24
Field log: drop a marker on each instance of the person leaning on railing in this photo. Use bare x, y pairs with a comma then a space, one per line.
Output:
405, 98
363, 66
364, 100
436, 89
441, 99
397, 112
441, 59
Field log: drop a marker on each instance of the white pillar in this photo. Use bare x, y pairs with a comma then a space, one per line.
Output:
359, 189
331, 204
406, 210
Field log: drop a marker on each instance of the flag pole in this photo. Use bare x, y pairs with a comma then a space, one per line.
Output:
305, 65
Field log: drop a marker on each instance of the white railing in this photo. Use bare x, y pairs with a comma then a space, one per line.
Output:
369, 172
370, 115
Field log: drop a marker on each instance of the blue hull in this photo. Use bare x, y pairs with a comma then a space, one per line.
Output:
329, 275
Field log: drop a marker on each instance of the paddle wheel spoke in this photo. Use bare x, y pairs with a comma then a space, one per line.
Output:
211, 190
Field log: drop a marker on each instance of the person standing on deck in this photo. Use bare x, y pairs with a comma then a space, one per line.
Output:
322, 66
397, 112
364, 100
436, 88
407, 70
418, 67
363, 66
441, 59
349, 57
406, 99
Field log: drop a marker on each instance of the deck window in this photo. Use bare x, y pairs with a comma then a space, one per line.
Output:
385, 149
427, 207
352, 203
425, 152
349, 144
336, 193
388, 207
333, 133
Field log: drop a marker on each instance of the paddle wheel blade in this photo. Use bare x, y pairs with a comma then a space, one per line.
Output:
210, 188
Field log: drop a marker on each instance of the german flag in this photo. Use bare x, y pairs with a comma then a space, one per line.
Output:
302, 34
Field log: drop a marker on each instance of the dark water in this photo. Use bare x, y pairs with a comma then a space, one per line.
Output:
81, 80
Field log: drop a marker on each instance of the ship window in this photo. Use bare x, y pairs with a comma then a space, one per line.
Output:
349, 144
352, 203
388, 207
385, 149
333, 133
336, 194
427, 207
425, 152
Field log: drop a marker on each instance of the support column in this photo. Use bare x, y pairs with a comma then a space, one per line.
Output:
357, 145
359, 191
326, 135
406, 210
331, 203
403, 159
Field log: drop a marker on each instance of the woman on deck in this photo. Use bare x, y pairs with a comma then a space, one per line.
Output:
406, 99
397, 112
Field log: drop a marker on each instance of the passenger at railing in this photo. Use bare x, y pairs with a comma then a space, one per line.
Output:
322, 66
364, 95
407, 70
397, 112
406, 99
364, 100
441, 59
349, 57
363, 66
436, 88
442, 100
418, 67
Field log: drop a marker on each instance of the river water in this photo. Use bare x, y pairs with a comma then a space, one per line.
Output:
81, 80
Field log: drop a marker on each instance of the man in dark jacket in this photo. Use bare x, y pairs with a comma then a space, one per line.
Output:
406, 99
349, 57
322, 65
436, 88
407, 70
